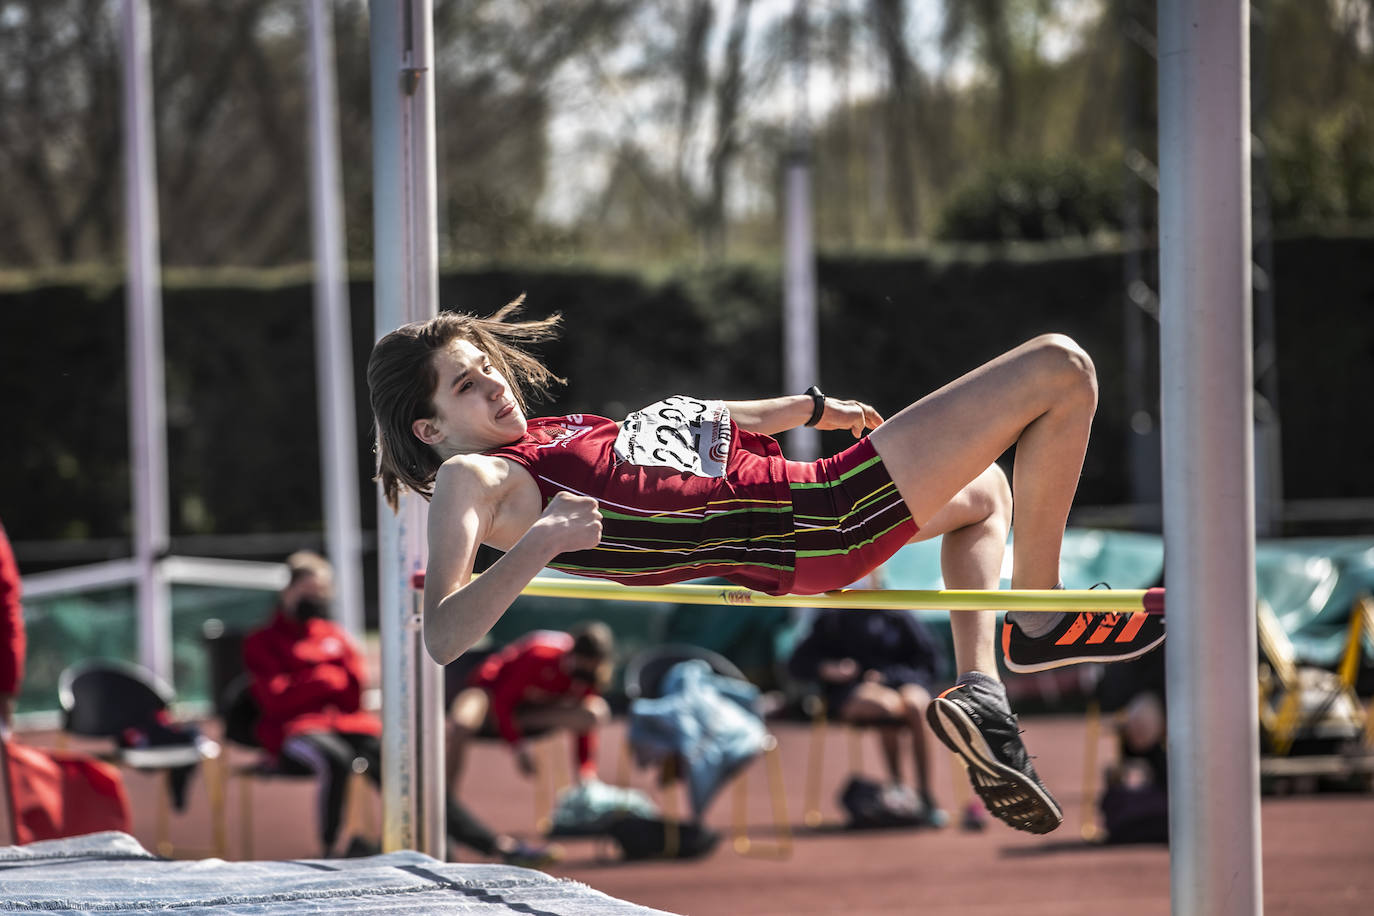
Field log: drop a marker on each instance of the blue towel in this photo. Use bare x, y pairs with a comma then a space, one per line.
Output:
709, 721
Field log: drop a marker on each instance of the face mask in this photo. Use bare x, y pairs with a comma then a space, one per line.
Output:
310, 608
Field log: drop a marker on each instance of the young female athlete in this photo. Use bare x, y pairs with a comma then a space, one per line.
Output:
688, 488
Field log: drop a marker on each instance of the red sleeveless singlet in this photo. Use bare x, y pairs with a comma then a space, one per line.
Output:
684, 493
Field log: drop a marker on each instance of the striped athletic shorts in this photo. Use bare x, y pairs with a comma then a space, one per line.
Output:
849, 518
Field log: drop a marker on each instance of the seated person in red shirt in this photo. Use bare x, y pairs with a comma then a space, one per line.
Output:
545, 680
308, 678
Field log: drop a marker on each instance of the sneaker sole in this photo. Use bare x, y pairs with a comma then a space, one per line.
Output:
989, 775
1125, 656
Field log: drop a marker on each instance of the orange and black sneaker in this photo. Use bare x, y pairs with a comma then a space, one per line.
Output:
974, 720
1082, 637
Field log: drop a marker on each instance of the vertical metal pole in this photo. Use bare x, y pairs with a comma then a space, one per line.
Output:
333, 345
801, 353
406, 289
1208, 448
147, 391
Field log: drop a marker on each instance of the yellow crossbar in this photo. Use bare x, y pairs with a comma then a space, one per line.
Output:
1046, 600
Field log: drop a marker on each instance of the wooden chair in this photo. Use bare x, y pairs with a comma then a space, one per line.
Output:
105, 698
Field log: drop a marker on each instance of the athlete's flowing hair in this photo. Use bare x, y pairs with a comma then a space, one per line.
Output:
401, 378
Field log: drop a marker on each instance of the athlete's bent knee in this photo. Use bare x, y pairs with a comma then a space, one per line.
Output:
997, 490
1071, 365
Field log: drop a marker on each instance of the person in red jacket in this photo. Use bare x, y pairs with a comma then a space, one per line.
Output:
308, 679
545, 680
12, 641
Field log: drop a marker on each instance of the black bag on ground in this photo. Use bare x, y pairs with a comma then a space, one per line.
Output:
869, 805
1135, 813
648, 838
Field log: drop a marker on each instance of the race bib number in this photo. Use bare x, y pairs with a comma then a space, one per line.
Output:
682, 433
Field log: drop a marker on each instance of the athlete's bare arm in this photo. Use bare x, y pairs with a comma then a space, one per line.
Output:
771, 416
478, 499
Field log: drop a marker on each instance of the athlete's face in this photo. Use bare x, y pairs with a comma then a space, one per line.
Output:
474, 407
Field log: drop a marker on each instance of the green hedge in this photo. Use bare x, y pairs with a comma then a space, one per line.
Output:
1036, 200
242, 423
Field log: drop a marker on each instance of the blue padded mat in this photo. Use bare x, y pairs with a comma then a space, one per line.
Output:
111, 873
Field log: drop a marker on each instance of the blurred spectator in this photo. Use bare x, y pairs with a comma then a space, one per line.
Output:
308, 680
877, 666
545, 680
1134, 690
1135, 799
12, 641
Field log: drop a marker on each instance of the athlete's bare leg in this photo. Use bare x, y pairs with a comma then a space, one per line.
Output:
974, 525
1039, 397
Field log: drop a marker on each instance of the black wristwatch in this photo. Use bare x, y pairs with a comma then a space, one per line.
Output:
818, 399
